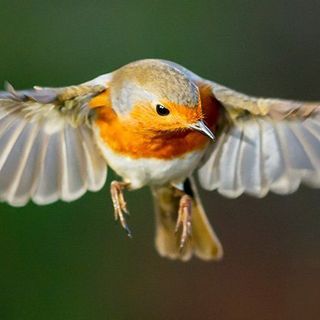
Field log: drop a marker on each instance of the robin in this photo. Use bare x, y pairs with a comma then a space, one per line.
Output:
154, 123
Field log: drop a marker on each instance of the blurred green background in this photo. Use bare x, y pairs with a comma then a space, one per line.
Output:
71, 261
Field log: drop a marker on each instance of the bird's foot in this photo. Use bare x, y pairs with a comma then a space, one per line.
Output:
119, 204
184, 219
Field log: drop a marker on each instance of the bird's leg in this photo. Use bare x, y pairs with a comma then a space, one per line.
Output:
119, 204
184, 219
184, 215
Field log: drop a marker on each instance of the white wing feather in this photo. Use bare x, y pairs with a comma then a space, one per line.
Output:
263, 155
40, 164
268, 145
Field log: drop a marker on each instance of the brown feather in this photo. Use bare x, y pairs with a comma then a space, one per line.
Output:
204, 243
239, 105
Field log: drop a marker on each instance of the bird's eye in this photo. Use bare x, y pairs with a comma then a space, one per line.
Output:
162, 111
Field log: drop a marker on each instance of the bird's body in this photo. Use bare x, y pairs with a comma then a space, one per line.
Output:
151, 121
150, 171
145, 157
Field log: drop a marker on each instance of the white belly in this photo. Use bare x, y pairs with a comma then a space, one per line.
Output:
150, 171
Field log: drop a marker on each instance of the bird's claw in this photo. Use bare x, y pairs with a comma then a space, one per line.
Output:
184, 219
119, 204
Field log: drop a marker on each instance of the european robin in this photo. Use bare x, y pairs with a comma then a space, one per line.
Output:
154, 123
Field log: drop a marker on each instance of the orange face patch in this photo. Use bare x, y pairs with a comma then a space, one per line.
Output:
145, 134
178, 118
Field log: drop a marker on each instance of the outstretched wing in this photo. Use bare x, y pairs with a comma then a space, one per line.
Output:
47, 151
263, 144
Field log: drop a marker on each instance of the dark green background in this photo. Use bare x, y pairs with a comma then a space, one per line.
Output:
71, 261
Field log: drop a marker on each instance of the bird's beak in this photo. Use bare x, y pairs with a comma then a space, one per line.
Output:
201, 127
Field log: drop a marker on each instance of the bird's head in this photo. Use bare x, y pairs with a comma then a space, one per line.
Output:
157, 96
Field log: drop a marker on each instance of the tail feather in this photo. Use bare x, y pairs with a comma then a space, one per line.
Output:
203, 242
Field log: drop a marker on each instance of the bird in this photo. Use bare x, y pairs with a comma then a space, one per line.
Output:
156, 124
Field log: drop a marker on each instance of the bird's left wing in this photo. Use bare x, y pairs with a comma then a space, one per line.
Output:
262, 145
47, 150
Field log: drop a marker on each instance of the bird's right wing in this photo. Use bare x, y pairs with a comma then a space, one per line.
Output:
47, 149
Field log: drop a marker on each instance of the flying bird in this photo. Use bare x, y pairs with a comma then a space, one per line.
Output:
155, 123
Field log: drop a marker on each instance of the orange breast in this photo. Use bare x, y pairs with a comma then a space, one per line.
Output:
124, 138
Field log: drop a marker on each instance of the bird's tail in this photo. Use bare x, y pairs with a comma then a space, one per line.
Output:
203, 242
